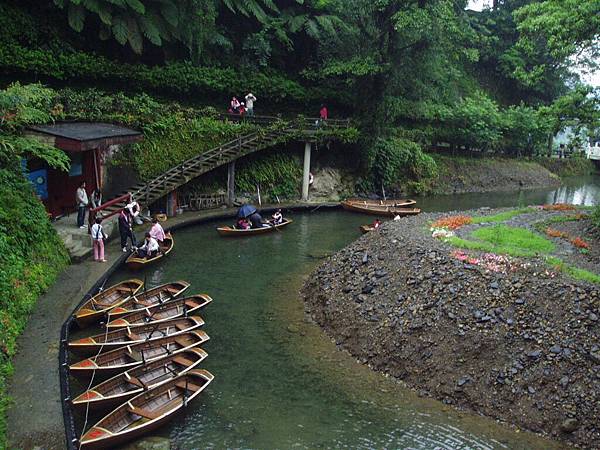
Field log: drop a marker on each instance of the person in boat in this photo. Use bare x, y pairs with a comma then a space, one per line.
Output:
242, 109
376, 224
126, 229
157, 231
257, 221
150, 248
277, 217
242, 224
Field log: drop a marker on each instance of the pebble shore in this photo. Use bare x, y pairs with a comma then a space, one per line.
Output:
509, 338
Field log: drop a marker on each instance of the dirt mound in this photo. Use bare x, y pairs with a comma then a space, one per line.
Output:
505, 337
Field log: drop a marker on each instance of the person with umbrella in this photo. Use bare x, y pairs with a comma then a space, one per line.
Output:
250, 213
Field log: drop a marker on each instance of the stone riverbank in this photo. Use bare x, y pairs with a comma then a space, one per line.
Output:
511, 338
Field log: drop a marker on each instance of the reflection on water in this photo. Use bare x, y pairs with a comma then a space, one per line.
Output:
280, 382
577, 191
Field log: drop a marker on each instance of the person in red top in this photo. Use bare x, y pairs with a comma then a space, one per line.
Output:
323, 113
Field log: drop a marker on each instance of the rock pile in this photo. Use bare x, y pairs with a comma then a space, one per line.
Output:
521, 346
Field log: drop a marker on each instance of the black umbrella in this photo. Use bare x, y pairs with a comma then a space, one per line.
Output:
246, 210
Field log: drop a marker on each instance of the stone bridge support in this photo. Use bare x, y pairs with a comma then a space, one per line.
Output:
306, 171
230, 183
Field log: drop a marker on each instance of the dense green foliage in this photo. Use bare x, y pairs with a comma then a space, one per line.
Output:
31, 254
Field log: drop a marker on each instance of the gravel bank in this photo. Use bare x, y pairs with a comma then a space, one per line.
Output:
520, 344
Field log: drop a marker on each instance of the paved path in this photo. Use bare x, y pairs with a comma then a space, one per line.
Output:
35, 419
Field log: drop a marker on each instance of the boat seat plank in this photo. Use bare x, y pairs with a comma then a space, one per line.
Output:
190, 386
180, 326
183, 361
181, 342
143, 412
136, 381
134, 337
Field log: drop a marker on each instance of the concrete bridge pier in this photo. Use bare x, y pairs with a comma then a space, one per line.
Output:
306, 172
230, 183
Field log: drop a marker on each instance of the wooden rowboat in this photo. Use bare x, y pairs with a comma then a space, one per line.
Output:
154, 296
172, 309
147, 411
395, 203
124, 336
234, 232
130, 356
379, 210
122, 387
134, 262
97, 306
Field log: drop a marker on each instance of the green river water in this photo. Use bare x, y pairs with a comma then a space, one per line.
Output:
279, 380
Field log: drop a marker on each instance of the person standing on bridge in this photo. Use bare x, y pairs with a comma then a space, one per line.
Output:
250, 99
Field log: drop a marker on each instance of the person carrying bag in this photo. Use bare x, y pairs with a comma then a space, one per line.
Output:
98, 237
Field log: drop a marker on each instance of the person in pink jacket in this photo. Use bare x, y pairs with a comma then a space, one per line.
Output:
157, 231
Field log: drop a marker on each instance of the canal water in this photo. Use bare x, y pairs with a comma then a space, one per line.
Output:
280, 382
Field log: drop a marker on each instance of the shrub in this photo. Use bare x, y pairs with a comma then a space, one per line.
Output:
395, 159
452, 222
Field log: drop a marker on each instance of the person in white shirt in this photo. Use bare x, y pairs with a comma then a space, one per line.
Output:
82, 204
98, 237
250, 99
277, 218
134, 210
150, 247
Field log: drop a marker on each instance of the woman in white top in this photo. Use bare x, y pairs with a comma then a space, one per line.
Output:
98, 237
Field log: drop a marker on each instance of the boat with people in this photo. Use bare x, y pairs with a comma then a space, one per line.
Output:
135, 261
151, 331
249, 223
267, 228
98, 306
388, 208
130, 356
122, 387
154, 296
146, 412
180, 307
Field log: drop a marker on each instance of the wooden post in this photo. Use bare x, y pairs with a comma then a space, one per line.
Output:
230, 183
306, 172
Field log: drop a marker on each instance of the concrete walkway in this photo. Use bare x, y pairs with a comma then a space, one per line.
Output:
35, 419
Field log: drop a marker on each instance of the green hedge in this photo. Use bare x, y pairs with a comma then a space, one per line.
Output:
178, 78
31, 257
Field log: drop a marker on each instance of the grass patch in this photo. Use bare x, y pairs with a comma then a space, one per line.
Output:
505, 240
503, 216
577, 273
503, 236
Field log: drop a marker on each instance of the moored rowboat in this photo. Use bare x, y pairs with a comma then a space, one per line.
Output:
109, 341
134, 262
131, 356
395, 203
172, 309
234, 232
122, 387
154, 296
379, 210
97, 306
147, 411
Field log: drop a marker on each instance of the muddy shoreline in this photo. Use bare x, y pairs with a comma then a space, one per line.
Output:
519, 345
